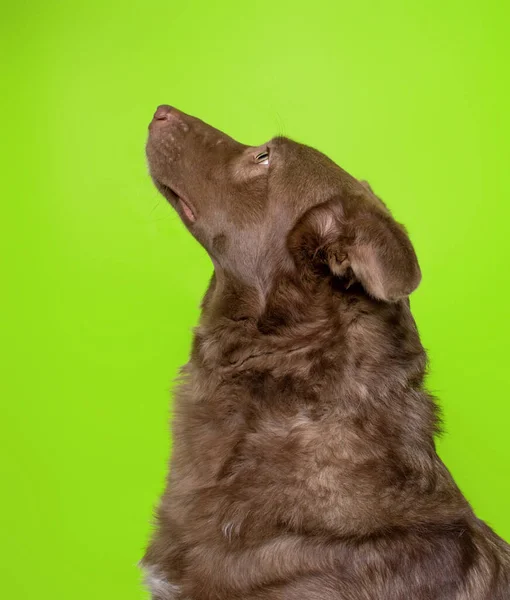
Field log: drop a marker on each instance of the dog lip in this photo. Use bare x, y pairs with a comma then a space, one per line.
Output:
188, 212
183, 206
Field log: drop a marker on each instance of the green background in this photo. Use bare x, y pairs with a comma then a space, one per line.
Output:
102, 282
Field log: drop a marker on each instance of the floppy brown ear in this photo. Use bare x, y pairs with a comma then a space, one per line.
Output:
369, 245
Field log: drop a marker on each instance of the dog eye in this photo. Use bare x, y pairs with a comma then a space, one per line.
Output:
262, 157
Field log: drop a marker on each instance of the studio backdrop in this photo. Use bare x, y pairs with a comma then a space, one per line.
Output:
101, 282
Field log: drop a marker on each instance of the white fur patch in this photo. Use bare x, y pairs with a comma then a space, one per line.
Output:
159, 587
229, 529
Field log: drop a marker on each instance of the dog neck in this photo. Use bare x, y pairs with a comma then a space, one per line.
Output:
303, 329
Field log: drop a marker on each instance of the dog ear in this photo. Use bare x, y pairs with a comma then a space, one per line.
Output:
367, 246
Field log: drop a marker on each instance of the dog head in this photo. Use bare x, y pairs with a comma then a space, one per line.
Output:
281, 207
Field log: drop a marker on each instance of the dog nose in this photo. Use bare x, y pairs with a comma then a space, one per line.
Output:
162, 112
168, 116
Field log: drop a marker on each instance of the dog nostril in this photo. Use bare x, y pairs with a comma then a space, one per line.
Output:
162, 112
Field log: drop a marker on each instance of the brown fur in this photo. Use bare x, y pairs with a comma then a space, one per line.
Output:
303, 463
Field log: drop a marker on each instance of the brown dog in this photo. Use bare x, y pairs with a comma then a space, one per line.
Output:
304, 465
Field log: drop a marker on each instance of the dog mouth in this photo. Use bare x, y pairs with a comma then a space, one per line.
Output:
183, 206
